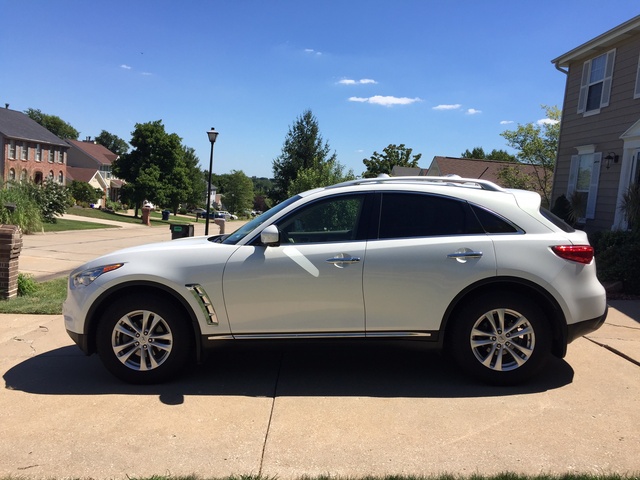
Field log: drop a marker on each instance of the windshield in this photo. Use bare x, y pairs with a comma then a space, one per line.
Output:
243, 231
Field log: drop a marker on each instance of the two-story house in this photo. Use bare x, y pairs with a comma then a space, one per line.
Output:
29, 151
91, 162
599, 145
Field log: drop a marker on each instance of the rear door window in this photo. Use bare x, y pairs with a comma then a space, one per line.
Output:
405, 215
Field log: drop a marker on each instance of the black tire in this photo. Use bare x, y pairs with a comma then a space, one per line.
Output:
501, 338
144, 340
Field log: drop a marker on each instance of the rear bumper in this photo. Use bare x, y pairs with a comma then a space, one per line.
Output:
579, 329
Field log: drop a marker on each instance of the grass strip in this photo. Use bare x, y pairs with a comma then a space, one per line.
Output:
45, 299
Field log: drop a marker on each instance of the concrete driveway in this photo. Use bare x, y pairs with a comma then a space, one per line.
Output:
283, 410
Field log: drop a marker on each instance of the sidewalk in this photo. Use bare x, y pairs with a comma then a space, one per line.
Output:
50, 255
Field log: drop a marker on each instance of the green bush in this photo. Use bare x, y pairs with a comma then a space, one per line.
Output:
618, 258
18, 207
26, 285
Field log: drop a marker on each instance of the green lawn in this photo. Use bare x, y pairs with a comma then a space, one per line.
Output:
156, 217
46, 299
63, 225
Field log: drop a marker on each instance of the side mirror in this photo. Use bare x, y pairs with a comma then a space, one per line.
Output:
270, 236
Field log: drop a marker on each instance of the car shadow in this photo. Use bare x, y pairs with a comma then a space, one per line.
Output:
363, 369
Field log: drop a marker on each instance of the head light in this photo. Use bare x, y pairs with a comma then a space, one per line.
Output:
86, 277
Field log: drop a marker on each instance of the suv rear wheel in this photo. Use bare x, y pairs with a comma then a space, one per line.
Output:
502, 338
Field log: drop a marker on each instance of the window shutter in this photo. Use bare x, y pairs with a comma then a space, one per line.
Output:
584, 87
593, 187
608, 76
636, 93
573, 175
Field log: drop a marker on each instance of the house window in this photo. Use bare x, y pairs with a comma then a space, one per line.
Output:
61, 157
24, 151
38, 152
60, 178
12, 149
595, 87
582, 190
50, 176
51, 153
23, 175
12, 175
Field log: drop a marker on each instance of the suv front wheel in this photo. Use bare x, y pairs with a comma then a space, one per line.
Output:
501, 338
143, 340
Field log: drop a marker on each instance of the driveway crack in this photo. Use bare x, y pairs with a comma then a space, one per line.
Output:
615, 350
273, 404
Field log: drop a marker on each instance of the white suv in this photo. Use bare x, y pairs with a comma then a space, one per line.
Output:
461, 263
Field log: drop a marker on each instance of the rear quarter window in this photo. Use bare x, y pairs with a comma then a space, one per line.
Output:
557, 221
493, 223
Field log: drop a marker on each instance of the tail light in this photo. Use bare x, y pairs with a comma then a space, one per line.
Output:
574, 253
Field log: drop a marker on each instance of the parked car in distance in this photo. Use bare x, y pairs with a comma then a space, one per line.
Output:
461, 264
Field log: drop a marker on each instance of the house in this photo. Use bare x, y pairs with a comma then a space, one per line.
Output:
474, 168
91, 162
30, 151
465, 168
599, 145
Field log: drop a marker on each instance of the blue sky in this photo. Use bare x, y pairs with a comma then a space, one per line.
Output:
439, 76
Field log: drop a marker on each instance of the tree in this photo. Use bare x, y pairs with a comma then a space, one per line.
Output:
537, 145
329, 173
54, 124
391, 156
499, 155
194, 194
154, 170
303, 149
112, 143
82, 192
238, 196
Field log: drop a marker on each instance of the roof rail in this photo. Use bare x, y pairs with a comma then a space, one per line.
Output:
448, 180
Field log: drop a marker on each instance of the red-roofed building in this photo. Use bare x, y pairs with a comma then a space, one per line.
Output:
91, 162
474, 168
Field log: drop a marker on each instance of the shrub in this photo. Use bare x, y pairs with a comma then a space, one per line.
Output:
618, 258
26, 285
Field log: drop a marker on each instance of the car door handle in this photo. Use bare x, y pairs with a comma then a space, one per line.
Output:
343, 259
465, 255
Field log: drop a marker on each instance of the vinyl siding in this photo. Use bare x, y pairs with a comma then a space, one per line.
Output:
602, 129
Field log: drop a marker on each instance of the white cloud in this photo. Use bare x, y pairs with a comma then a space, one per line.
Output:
547, 121
447, 107
386, 101
126, 67
146, 74
506, 122
473, 111
311, 51
362, 81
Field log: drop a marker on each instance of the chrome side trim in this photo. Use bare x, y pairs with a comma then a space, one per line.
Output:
205, 303
315, 336
399, 334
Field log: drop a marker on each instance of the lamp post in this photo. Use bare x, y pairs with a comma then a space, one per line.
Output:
212, 138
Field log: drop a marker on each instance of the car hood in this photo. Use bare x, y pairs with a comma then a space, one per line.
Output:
183, 250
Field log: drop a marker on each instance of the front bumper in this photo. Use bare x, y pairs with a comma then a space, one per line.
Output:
80, 340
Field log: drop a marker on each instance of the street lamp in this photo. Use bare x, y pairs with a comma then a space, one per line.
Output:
212, 138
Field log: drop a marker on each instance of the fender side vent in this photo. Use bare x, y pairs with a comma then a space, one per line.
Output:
205, 303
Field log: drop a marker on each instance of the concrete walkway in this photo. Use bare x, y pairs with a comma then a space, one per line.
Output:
50, 255
288, 410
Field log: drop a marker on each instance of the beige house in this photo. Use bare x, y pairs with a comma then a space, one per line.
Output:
91, 162
599, 145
